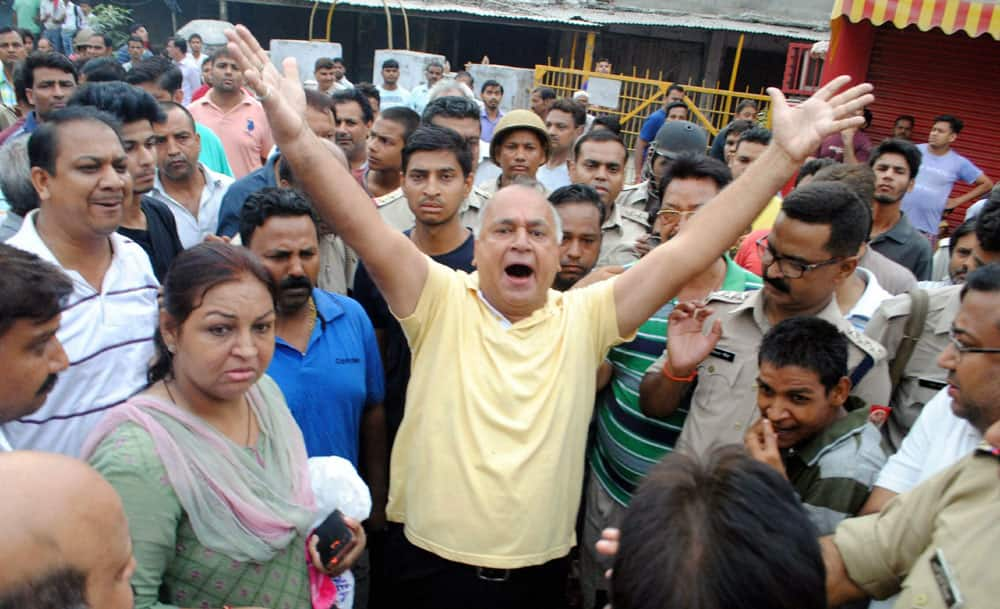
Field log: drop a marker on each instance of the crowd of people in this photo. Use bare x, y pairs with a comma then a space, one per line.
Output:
560, 389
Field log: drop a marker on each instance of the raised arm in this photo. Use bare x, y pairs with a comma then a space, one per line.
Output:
798, 131
396, 266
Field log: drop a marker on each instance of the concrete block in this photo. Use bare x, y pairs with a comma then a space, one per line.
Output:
517, 83
412, 65
306, 52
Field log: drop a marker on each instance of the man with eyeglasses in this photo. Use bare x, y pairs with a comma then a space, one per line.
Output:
627, 442
932, 543
812, 248
921, 376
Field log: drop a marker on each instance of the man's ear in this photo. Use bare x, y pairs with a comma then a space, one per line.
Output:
40, 180
840, 392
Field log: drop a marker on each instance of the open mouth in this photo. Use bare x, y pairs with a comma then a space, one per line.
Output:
519, 271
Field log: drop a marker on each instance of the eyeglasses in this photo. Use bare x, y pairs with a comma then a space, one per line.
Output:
669, 213
791, 269
963, 349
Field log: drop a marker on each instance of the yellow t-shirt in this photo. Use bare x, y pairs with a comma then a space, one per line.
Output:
766, 217
487, 467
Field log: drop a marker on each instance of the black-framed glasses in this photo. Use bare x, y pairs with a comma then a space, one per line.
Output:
790, 268
963, 349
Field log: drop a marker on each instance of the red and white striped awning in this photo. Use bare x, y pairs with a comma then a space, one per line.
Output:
951, 16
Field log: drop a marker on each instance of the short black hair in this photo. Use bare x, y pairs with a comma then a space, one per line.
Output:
757, 135
907, 150
811, 167
355, 95
15, 176
689, 166
430, 138
905, 117
43, 147
102, 69
58, 588
834, 204
675, 87
270, 202
491, 83
323, 63
954, 122
404, 116
965, 228
545, 93
676, 104
168, 106
339, 60
181, 44
135, 27
810, 343
746, 103
578, 193
859, 178
739, 127
157, 70
390, 63
574, 109
126, 103
984, 279
601, 135
219, 53
195, 35
450, 106
135, 39
54, 61
728, 532
368, 89
30, 288
7, 30
988, 225
609, 122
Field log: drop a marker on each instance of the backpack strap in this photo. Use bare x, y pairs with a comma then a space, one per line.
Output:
919, 301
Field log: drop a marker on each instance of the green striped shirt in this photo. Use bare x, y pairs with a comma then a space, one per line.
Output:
628, 443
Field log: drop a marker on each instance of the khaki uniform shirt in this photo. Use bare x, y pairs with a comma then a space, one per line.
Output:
337, 264
626, 222
724, 402
395, 211
922, 377
937, 540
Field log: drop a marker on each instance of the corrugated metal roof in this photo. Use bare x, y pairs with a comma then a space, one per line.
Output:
593, 18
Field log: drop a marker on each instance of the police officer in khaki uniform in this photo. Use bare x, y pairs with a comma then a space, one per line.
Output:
932, 545
812, 248
922, 377
395, 211
598, 161
626, 232
521, 159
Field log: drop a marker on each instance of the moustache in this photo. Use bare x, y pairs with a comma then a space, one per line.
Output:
295, 282
778, 284
47, 386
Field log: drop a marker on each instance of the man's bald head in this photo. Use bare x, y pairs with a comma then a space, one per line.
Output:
58, 512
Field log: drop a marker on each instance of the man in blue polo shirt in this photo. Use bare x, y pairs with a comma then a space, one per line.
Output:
326, 360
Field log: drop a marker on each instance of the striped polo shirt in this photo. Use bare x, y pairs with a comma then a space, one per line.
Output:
108, 337
628, 443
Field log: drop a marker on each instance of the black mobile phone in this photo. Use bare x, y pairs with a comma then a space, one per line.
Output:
334, 538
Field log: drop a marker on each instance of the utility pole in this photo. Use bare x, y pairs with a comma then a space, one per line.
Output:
223, 12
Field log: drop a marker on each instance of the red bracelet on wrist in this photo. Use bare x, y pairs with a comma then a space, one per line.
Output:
678, 379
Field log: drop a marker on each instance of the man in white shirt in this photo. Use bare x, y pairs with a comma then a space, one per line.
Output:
340, 82
421, 94
192, 191
177, 51
390, 93
194, 56
79, 169
32, 292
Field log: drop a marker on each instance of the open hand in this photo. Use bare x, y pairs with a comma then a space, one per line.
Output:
687, 343
282, 95
799, 131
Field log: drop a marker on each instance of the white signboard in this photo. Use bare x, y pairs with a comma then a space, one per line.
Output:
604, 92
